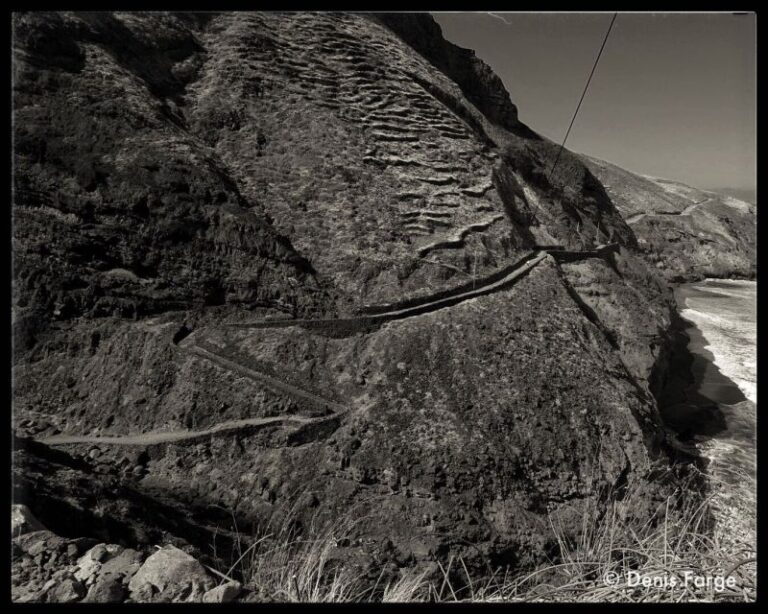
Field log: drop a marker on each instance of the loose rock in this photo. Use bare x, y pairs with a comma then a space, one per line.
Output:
170, 574
223, 593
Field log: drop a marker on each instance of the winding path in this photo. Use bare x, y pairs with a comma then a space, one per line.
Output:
262, 378
490, 284
690, 208
687, 211
157, 437
427, 306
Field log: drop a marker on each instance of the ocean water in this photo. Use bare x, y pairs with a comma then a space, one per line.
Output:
725, 312
723, 332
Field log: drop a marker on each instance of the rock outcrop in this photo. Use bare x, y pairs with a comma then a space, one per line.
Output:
180, 178
477, 81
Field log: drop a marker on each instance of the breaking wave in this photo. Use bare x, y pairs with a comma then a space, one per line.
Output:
726, 314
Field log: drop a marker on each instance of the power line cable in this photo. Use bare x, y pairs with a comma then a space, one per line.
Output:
584, 93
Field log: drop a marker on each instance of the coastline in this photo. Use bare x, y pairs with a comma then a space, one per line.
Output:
718, 411
720, 316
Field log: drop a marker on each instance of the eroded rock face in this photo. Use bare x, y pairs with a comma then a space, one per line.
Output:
181, 171
447, 439
477, 81
631, 301
117, 208
685, 233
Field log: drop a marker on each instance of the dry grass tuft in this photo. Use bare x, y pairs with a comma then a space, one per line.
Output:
615, 558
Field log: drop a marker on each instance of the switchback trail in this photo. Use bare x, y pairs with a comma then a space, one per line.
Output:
687, 211
157, 437
267, 380
425, 305
428, 306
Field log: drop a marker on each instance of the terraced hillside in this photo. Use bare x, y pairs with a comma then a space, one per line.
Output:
407, 176
685, 232
290, 262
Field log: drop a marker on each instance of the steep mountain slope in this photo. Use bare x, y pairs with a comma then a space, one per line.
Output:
179, 178
685, 232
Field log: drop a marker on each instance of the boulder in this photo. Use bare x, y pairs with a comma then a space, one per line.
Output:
66, 590
39, 542
80, 545
168, 575
223, 593
107, 569
108, 588
123, 565
89, 565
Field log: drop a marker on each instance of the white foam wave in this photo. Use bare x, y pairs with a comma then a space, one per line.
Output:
730, 332
742, 292
726, 318
727, 324
746, 283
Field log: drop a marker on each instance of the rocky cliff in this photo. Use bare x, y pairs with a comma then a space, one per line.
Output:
285, 261
686, 233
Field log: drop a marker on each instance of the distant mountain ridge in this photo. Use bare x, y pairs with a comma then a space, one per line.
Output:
746, 194
685, 232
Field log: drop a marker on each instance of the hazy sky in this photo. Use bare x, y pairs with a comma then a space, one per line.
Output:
673, 94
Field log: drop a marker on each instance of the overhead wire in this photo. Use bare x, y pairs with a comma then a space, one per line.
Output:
583, 94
